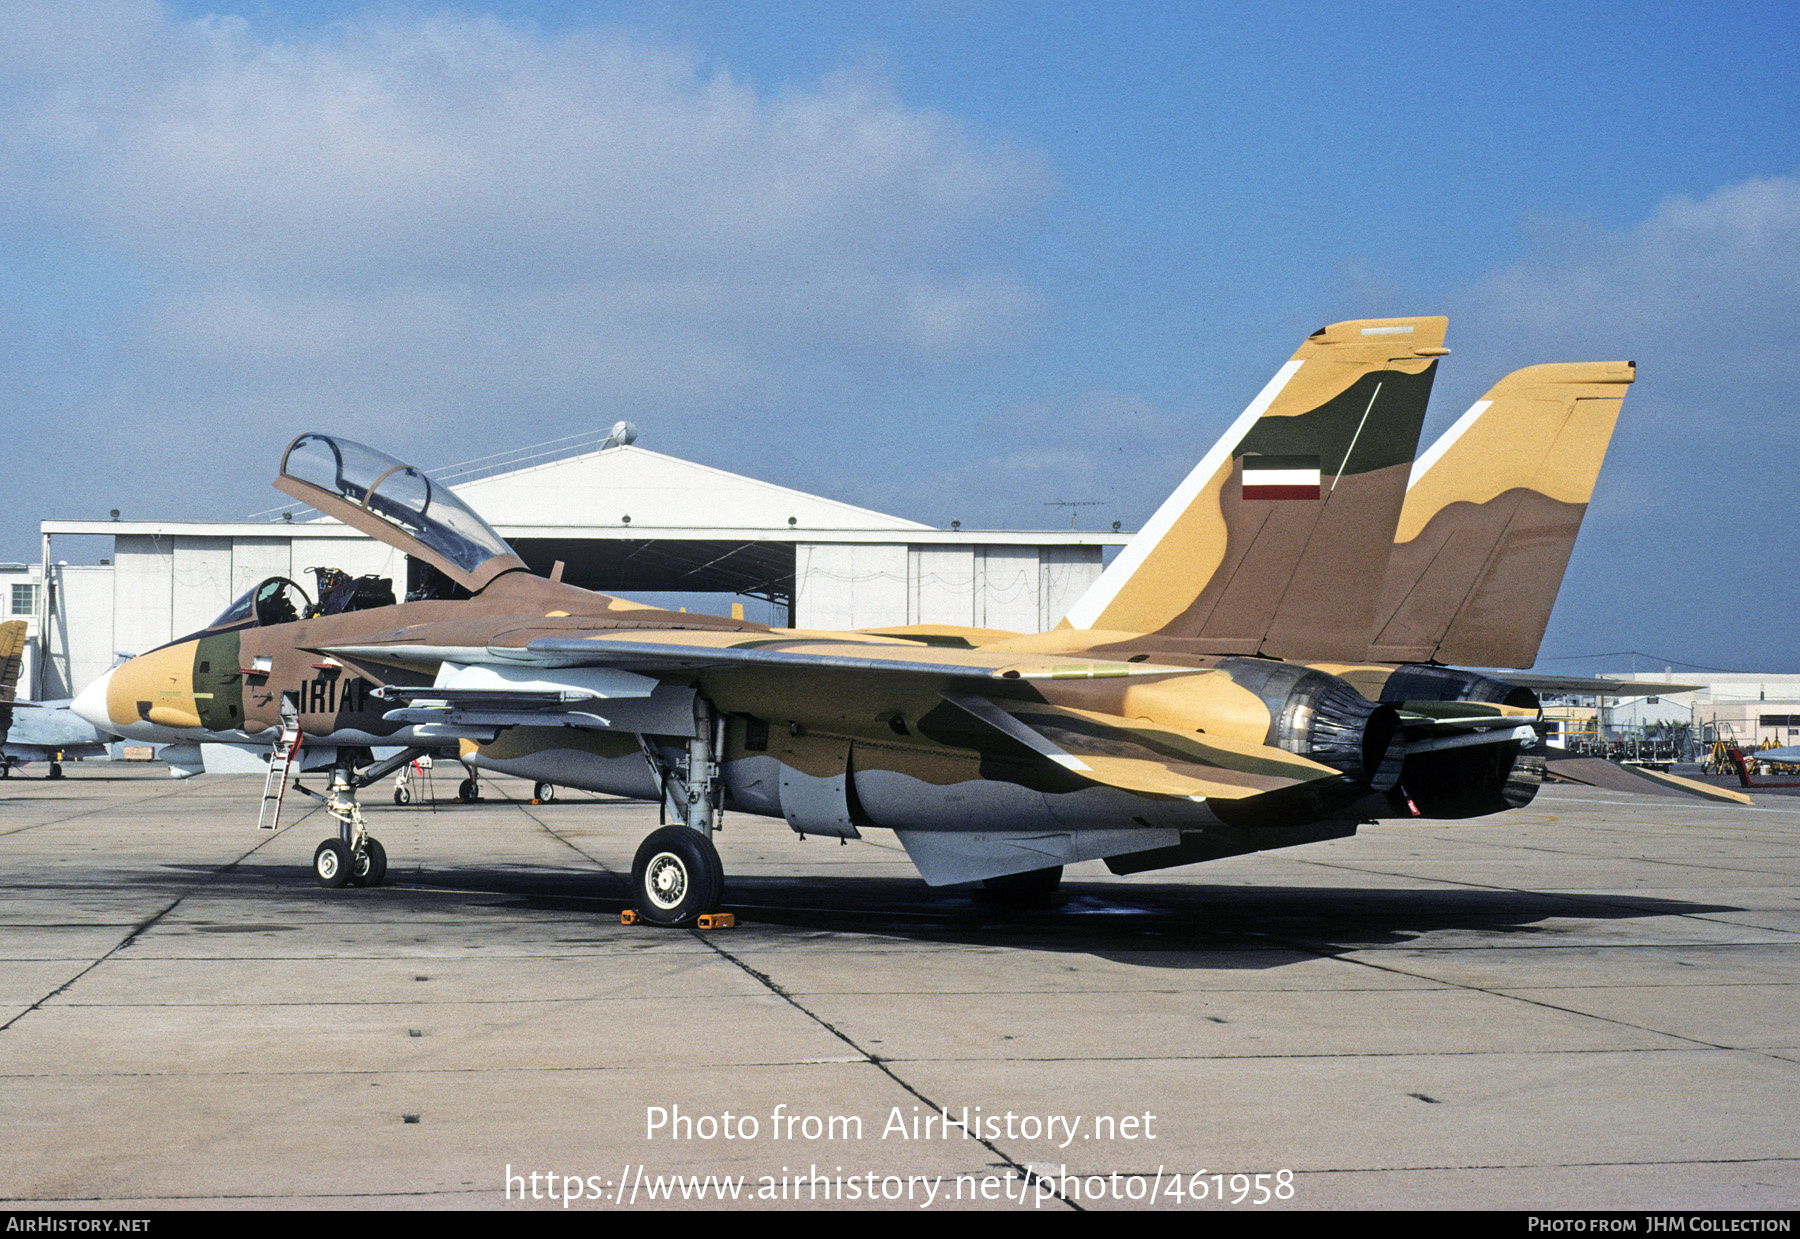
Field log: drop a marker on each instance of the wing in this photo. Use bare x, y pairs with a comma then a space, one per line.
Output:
668, 653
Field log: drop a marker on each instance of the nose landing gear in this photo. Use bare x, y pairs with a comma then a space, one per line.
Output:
355, 857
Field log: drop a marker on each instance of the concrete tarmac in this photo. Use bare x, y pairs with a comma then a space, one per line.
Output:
1590, 1003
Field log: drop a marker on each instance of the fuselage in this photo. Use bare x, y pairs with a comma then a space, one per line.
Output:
828, 752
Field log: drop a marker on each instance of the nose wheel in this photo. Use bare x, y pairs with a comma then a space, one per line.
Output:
676, 876
370, 865
335, 865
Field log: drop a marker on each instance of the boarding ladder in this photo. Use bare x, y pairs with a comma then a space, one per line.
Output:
281, 767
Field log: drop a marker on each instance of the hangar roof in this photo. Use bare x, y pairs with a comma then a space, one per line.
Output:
606, 487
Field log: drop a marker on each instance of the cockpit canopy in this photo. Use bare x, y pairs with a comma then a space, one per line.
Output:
397, 503
274, 601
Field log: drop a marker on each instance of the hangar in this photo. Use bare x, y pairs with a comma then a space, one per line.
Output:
620, 518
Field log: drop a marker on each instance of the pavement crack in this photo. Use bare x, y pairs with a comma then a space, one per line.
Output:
1026, 1174
19, 830
144, 926
523, 807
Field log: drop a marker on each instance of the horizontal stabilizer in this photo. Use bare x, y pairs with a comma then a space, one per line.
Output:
1598, 772
1595, 686
1141, 757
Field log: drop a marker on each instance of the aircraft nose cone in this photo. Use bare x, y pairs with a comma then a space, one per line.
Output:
91, 704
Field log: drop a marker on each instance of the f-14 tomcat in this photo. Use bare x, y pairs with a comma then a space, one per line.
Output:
1184, 713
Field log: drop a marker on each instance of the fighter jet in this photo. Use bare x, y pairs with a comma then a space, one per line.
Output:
996, 764
46, 731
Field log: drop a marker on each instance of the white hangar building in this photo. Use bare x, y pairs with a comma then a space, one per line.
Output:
622, 519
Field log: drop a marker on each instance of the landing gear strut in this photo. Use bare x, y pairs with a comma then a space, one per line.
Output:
677, 875
355, 857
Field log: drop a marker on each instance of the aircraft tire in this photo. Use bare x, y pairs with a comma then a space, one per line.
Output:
1035, 888
402, 796
371, 866
55, 770
468, 791
331, 863
544, 793
676, 876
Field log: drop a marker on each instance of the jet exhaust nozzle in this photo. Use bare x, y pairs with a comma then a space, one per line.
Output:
1322, 718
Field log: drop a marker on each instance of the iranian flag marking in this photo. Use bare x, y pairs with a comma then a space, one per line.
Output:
1281, 477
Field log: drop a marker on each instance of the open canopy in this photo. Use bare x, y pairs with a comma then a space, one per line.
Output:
397, 503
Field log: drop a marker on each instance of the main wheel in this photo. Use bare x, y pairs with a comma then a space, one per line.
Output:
371, 864
468, 791
55, 770
544, 793
676, 876
1034, 888
331, 863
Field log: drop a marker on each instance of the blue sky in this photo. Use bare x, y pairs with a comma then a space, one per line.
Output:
946, 259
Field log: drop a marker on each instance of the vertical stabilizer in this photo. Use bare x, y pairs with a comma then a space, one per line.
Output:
1277, 542
12, 660
1491, 516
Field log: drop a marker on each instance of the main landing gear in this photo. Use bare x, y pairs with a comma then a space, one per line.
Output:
677, 876
543, 793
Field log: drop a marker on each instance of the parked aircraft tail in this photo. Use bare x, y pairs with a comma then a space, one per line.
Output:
1278, 541
1491, 515
12, 660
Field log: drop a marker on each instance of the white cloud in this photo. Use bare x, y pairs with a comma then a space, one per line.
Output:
1703, 293
453, 207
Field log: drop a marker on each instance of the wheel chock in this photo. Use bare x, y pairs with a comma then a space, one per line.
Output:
706, 920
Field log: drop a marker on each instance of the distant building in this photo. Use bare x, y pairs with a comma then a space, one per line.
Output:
621, 519
1741, 708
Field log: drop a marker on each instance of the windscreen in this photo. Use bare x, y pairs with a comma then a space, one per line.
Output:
274, 601
399, 494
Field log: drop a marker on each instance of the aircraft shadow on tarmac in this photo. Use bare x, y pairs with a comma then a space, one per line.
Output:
1152, 924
